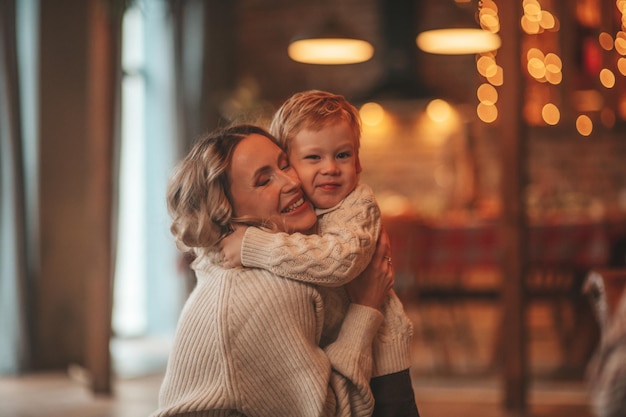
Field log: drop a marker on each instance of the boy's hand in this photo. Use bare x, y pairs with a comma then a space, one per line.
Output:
230, 247
372, 286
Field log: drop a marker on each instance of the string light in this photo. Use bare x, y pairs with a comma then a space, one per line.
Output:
487, 66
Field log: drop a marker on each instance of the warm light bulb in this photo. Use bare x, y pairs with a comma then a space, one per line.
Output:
498, 77
550, 114
547, 20
584, 125
487, 113
607, 78
620, 43
458, 41
486, 66
438, 110
606, 41
372, 113
330, 51
621, 65
487, 94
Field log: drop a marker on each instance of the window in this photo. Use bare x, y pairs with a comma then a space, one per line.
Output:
149, 288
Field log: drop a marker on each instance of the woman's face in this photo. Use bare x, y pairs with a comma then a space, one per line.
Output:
264, 186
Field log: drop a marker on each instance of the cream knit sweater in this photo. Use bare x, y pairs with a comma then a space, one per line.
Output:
247, 344
339, 253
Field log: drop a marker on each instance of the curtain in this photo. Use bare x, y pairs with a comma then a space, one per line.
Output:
202, 43
14, 351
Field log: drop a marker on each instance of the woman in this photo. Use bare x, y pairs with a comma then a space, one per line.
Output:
247, 342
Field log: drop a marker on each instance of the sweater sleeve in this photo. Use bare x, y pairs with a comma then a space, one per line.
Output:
392, 345
341, 251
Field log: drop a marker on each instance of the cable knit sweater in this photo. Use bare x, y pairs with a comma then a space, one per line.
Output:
339, 253
247, 344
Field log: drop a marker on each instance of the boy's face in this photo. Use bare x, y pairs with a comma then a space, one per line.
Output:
326, 162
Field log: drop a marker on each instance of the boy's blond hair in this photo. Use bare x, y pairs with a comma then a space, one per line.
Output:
313, 110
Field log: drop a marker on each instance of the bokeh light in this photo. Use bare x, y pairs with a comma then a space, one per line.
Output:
487, 94
487, 113
551, 114
372, 113
584, 125
607, 78
438, 111
606, 41
621, 66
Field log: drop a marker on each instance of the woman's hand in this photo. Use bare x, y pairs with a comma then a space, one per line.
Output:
230, 247
372, 286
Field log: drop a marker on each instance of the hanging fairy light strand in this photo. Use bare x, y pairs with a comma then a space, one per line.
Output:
486, 65
543, 64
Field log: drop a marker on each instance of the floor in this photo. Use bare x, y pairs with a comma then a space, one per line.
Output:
65, 395
454, 371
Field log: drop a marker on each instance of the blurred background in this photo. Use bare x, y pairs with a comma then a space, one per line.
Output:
500, 172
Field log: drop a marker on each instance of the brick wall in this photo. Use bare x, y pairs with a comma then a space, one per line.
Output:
566, 171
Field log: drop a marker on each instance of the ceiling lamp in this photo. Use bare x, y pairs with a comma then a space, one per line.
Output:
330, 46
458, 41
471, 31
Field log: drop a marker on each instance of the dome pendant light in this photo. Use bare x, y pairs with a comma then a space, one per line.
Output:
330, 46
458, 41
473, 33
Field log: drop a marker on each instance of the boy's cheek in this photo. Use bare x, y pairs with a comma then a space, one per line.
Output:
301, 170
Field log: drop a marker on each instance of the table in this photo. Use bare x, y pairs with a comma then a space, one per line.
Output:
420, 247
432, 259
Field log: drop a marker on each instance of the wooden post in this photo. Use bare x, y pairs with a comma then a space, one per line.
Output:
102, 88
513, 223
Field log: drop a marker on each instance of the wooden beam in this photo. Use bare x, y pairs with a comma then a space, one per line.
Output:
103, 87
513, 158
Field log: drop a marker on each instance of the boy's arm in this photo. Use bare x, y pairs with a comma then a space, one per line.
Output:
336, 256
230, 247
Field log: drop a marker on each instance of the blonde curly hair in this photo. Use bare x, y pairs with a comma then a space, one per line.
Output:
198, 193
313, 110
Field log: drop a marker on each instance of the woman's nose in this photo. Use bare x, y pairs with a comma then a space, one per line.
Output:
291, 180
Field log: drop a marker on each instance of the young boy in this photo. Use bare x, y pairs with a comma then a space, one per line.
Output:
320, 133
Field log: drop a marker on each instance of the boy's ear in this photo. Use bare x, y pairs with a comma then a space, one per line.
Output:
358, 165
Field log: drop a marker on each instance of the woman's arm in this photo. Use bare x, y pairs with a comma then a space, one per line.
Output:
284, 370
347, 361
392, 345
248, 341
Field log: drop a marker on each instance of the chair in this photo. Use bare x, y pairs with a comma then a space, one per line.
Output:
430, 277
607, 369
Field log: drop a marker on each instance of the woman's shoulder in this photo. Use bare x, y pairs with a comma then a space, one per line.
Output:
252, 283
255, 280
249, 294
